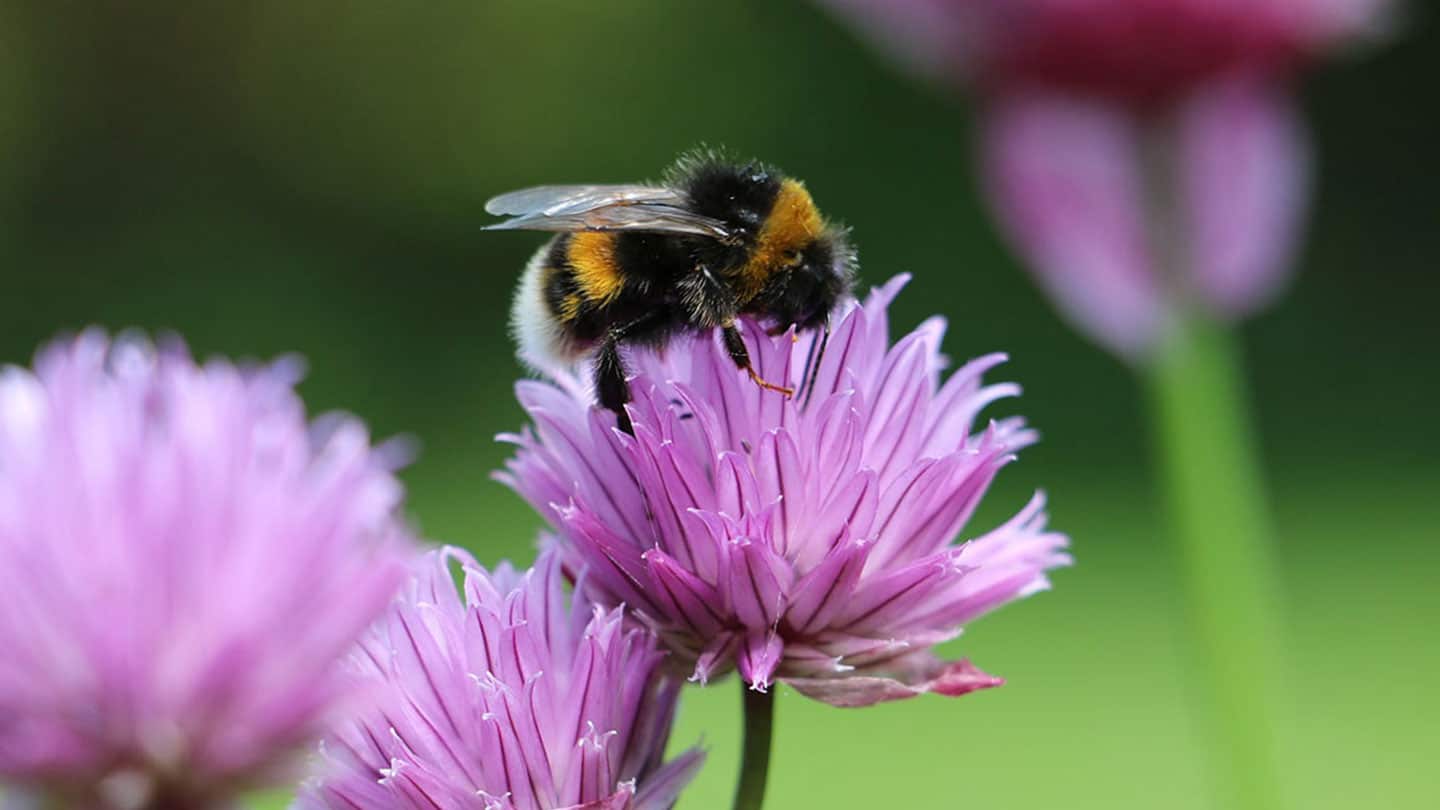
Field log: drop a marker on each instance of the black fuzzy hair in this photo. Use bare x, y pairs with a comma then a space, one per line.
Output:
719, 186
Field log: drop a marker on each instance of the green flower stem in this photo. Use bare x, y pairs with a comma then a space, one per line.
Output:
1218, 517
755, 762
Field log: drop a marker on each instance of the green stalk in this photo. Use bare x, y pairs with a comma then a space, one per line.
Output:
755, 762
1218, 517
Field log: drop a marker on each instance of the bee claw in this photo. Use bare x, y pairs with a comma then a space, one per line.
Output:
769, 386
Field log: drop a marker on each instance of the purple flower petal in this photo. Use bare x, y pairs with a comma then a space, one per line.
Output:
759, 657
1063, 179
679, 593
619, 800
716, 658
664, 785
760, 581
1242, 157
942, 678
826, 590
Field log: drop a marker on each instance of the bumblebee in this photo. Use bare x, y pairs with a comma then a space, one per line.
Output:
636, 265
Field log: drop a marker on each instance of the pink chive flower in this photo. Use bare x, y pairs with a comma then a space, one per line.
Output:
1142, 156
808, 539
183, 562
506, 699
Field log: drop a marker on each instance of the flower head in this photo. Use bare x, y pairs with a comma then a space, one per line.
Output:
803, 539
505, 699
183, 560
1141, 52
1143, 157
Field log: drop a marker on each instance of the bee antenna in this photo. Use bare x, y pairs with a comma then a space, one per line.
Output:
812, 363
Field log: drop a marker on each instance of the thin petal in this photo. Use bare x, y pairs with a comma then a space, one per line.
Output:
842, 355
784, 480
759, 657
1063, 178
717, 658
1243, 159
951, 679
1009, 563
821, 594
619, 800
885, 602
760, 581
851, 512
660, 790
898, 410
682, 595
736, 491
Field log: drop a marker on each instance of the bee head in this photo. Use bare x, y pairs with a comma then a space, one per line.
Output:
815, 277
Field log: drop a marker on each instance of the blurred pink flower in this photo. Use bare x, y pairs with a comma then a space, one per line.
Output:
1125, 219
1142, 156
1139, 52
803, 539
507, 699
183, 561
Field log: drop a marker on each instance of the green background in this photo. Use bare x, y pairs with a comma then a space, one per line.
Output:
273, 177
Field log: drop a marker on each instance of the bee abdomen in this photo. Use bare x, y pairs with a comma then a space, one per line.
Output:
594, 265
558, 285
547, 308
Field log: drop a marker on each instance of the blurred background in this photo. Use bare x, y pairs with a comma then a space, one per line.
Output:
273, 177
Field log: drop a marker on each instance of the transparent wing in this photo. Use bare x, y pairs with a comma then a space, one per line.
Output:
602, 208
558, 200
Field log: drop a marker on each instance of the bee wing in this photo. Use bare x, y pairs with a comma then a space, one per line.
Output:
602, 208
553, 200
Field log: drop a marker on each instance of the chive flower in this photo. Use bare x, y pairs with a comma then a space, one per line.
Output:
805, 539
183, 563
508, 697
1145, 158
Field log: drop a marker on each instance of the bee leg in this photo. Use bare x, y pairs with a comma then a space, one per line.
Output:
735, 344
707, 301
610, 386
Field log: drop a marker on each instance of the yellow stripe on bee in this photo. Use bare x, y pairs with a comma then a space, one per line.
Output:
592, 255
793, 223
570, 308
